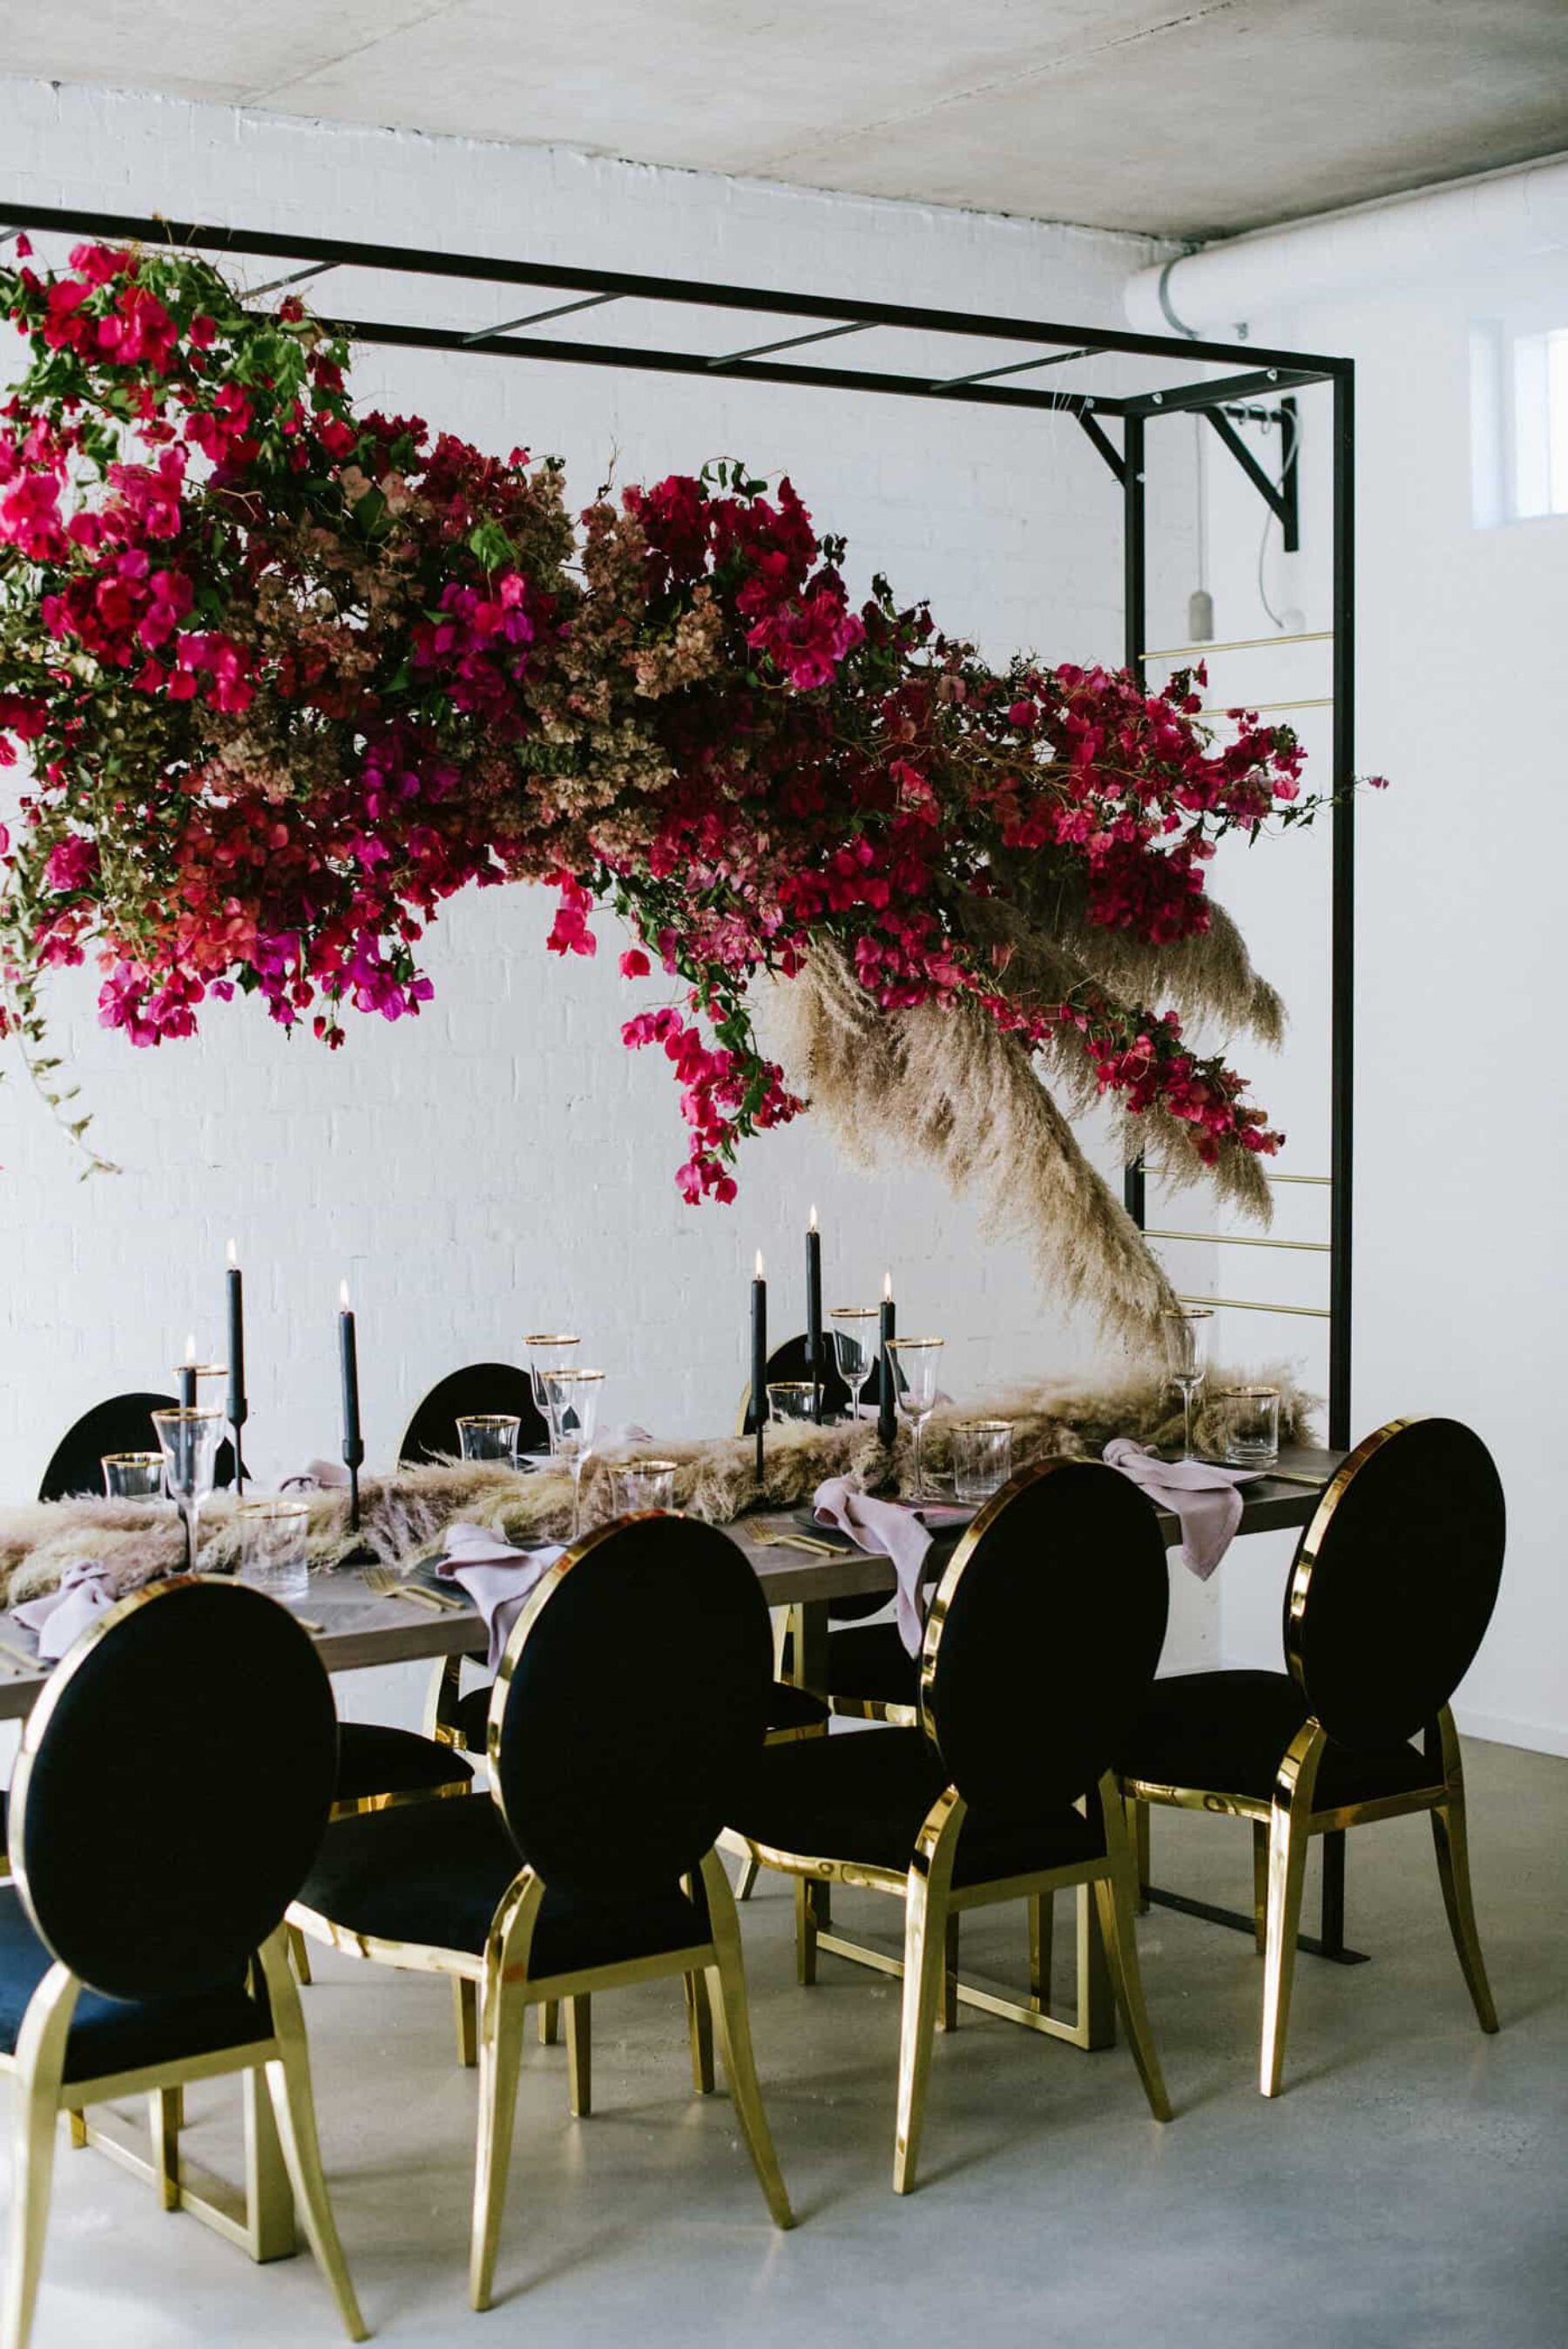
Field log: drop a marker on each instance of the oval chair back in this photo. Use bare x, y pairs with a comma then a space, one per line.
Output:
432, 1433
632, 1698
174, 1783
789, 1362
123, 1423
1044, 1637
1395, 1580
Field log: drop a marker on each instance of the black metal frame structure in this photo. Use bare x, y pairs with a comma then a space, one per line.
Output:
1255, 375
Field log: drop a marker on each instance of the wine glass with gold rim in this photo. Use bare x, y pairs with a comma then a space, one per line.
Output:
1185, 1329
916, 1362
572, 1402
857, 1338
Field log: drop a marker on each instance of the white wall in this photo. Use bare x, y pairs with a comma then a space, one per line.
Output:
1461, 1241
503, 1165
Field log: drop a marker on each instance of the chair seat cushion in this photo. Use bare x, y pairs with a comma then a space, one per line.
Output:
1226, 1732
794, 1708
373, 1759
870, 1663
434, 1873
862, 1798
111, 2034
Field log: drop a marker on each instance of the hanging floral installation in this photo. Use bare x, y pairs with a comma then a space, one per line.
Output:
286, 677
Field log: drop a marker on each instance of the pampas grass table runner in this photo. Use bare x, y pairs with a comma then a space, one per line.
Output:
404, 1517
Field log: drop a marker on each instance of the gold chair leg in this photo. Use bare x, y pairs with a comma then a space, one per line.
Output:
947, 2013
925, 1957
1117, 1900
164, 2130
549, 2022
465, 2018
580, 2055
1260, 1885
1042, 1914
1291, 1809
500, 2055
1139, 1816
77, 2133
299, 1955
40, 2060
746, 1878
1453, 1841
699, 2029
727, 1994
293, 2108
805, 1931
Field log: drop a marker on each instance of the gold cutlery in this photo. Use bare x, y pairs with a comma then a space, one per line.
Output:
382, 1583
20, 1656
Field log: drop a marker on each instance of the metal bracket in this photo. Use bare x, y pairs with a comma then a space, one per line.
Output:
1281, 500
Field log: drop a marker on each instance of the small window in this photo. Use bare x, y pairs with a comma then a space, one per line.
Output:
1519, 423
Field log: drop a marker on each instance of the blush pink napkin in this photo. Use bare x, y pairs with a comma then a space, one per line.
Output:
886, 1530
86, 1591
1204, 1496
498, 1578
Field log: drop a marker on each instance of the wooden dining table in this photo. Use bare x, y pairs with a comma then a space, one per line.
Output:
355, 1630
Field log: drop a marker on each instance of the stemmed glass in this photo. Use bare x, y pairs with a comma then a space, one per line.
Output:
1186, 1331
571, 1404
189, 1438
916, 1362
857, 1335
545, 1354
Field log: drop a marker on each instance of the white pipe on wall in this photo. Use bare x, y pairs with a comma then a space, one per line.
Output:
1441, 232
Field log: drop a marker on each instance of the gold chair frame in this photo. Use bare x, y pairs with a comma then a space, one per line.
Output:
932, 1990
501, 1988
282, 2149
1285, 1823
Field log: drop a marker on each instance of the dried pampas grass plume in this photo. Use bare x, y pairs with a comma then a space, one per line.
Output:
944, 1081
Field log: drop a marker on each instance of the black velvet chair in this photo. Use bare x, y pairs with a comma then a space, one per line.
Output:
630, 1707
123, 1423
156, 1838
1388, 1602
788, 1360
432, 1433
1040, 1645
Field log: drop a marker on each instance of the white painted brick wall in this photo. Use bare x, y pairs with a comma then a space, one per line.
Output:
502, 1164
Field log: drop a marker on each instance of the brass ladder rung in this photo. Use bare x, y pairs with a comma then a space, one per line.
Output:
1241, 643
1237, 1239
1254, 1305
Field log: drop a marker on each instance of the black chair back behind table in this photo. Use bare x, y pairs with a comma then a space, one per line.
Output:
787, 1361
1044, 1637
632, 1699
169, 1800
122, 1423
1395, 1581
432, 1433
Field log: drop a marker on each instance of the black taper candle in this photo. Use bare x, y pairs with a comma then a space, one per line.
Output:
349, 1359
887, 1393
238, 1409
759, 1357
187, 1376
816, 1361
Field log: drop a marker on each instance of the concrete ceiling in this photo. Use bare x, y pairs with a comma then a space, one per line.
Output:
1177, 117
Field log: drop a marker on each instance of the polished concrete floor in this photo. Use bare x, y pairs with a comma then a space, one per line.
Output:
1409, 2192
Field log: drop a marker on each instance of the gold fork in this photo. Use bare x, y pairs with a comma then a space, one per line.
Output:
382, 1583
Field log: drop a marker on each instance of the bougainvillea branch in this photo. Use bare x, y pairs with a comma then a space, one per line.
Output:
285, 677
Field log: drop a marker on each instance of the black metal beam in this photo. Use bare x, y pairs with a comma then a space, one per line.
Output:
1342, 916
1103, 442
1134, 633
482, 269
661, 362
1288, 375
1281, 500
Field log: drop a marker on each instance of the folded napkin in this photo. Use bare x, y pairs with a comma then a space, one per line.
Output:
60, 1617
1202, 1494
318, 1476
887, 1529
496, 1577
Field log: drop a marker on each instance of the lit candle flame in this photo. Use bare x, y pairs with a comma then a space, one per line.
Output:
191, 1348
343, 1294
760, 1264
812, 1224
233, 1256
887, 1289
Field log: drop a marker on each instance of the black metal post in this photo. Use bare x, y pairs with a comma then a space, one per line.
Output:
1342, 936
1134, 625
